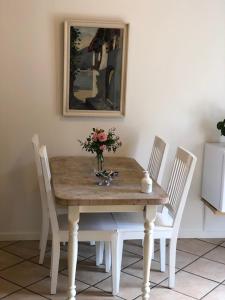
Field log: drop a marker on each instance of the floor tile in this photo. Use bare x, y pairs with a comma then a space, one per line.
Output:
217, 254
156, 276
161, 293
86, 250
25, 273
213, 241
95, 294
62, 263
43, 287
207, 269
7, 288
89, 273
223, 244
182, 258
199, 280
192, 285
130, 286
5, 243
129, 258
135, 246
24, 295
24, 249
217, 294
194, 246
7, 259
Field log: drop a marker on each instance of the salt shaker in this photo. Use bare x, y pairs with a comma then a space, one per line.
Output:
146, 183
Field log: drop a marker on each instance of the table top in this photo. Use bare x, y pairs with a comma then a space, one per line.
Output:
75, 183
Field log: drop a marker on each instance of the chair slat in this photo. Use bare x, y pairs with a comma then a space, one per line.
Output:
157, 159
180, 172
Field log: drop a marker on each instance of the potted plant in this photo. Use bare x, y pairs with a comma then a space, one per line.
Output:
221, 128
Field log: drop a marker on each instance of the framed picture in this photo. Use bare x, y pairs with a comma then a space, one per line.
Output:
95, 56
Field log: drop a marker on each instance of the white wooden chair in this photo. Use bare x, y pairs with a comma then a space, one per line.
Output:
59, 210
156, 168
99, 226
45, 219
167, 222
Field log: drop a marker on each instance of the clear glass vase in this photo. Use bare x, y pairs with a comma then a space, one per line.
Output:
100, 162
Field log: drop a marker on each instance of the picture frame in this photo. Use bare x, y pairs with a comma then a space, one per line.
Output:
95, 66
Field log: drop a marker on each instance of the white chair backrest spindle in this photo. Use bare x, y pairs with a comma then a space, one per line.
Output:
158, 159
48, 189
179, 183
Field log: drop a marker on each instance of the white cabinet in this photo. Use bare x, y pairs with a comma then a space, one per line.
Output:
213, 181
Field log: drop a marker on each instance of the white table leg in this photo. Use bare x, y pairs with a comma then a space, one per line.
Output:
73, 218
150, 215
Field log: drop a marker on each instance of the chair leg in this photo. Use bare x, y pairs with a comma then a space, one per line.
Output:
108, 257
55, 265
117, 251
162, 254
172, 261
99, 253
44, 240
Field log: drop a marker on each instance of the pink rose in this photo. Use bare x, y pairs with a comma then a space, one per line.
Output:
102, 147
102, 136
95, 137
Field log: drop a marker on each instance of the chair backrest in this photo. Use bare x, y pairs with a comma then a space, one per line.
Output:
48, 190
179, 184
36, 147
157, 160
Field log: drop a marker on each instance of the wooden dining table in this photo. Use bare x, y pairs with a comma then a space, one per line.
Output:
75, 185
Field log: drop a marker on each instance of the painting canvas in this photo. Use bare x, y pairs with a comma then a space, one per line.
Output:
94, 68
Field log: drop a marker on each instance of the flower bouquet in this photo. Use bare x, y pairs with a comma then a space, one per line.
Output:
99, 141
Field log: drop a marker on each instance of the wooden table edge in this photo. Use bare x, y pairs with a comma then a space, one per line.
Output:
103, 202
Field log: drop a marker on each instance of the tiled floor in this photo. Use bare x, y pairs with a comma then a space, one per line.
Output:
200, 273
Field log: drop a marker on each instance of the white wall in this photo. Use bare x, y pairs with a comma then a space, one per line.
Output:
175, 88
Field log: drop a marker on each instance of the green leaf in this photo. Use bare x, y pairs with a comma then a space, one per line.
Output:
220, 125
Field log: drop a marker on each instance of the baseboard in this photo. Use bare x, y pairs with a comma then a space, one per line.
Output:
18, 236
201, 234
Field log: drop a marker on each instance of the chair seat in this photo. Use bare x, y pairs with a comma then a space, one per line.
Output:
90, 222
135, 221
163, 220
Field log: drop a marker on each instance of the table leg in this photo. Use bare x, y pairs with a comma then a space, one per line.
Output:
73, 218
150, 215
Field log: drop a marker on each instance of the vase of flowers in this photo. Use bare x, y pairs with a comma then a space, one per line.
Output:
100, 141
221, 127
